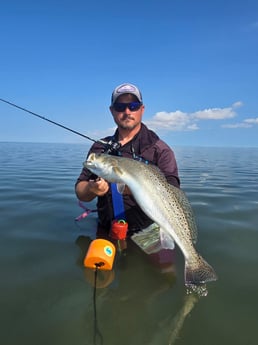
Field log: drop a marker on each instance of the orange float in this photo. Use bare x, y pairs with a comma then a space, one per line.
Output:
101, 255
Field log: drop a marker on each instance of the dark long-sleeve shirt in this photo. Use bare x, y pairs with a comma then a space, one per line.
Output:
145, 146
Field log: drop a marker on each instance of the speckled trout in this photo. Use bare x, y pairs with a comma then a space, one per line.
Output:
165, 204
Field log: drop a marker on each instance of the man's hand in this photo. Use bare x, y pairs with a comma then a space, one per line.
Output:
99, 187
88, 190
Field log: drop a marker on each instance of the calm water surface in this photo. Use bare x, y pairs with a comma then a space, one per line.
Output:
46, 294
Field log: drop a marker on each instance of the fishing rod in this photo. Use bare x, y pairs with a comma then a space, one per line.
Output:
55, 123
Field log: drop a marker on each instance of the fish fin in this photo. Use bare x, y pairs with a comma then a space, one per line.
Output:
199, 272
120, 187
167, 242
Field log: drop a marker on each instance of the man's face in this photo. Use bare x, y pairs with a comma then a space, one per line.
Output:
127, 119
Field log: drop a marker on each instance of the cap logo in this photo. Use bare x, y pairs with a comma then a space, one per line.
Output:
126, 88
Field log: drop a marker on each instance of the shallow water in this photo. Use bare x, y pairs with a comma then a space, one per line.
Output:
46, 294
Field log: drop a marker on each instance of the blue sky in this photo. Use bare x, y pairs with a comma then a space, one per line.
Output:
196, 63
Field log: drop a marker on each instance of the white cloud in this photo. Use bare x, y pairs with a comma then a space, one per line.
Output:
181, 121
237, 125
174, 121
247, 123
253, 121
215, 114
237, 104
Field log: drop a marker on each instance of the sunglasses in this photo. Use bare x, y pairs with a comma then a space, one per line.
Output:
133, 106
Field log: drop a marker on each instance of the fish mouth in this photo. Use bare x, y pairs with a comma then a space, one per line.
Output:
89, 164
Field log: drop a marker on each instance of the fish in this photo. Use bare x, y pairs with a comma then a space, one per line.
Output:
167, 205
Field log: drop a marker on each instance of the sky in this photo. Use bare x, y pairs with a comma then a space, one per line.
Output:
196, 63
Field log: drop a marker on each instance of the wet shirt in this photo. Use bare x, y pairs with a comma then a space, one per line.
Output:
145, 146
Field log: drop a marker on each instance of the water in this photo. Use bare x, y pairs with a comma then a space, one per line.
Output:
46, 295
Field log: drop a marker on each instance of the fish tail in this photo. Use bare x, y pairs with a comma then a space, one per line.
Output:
199, 272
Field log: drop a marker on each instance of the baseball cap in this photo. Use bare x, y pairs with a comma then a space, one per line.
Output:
126, 88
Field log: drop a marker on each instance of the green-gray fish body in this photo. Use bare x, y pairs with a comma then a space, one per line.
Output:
165, 204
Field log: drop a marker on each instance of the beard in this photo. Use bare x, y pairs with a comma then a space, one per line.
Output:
127, 123
127, 126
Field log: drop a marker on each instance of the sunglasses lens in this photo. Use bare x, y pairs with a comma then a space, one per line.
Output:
119, 107
133, 106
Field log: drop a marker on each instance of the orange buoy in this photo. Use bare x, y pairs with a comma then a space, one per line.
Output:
101, 255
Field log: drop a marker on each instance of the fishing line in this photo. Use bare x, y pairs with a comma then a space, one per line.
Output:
97, 333
53, 122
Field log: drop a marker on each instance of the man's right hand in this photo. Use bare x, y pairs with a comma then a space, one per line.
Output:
88, 190
99, 186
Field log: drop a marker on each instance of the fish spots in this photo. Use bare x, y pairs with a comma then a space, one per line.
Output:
165, 204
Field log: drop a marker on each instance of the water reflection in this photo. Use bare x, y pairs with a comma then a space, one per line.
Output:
132, 297
171, 327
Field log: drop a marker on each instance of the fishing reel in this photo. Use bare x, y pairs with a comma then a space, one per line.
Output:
112, 147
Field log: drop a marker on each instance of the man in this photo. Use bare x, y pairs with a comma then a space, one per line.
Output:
136, 142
